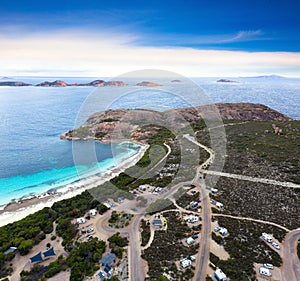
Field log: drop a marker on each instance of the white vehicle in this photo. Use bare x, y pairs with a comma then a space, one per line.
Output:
268, 266
217, 228
276, 246
265, 272
89, 230
267, 237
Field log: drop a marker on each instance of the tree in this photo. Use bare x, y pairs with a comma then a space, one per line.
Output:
162, 278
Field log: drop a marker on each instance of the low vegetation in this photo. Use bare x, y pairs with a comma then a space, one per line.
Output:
245, 247
167, 248
146, 233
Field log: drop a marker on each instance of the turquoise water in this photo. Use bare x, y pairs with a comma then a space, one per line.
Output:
33, 159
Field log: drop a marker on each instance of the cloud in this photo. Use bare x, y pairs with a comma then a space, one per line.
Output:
109, 53
244, 36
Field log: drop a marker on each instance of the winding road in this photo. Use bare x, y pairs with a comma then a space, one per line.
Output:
291, 262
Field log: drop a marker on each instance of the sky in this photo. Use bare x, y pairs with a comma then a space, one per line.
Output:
191, 37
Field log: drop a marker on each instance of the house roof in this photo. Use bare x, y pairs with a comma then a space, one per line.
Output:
157, 222
108, 259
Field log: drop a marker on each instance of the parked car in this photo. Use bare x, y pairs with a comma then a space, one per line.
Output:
90, 237
276, 246
89, 230
268, 266
195, 236
217, 228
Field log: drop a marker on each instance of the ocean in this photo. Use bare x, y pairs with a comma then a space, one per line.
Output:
33, 159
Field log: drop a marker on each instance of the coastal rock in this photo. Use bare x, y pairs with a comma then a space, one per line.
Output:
56, 83
14, 84
147, 84
132, 124
176, 81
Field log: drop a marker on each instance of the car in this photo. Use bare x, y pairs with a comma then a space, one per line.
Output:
276, 246
268, 266
195, 236
89, 230
217, 228
90, 237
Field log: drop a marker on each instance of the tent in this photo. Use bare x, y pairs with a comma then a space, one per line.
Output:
49, 253
36, 258
10, 250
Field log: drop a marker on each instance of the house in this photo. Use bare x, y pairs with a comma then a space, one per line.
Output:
108, 260
93, 212
190, 240
220, 275
80, 220
223, 231
185, 263
157, 222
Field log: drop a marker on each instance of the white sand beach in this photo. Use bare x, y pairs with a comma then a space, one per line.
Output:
20, 209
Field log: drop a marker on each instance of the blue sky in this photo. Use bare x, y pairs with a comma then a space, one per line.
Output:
270, 26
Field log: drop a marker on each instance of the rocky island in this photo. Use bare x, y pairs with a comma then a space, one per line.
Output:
60, 83
148, 84
227, 81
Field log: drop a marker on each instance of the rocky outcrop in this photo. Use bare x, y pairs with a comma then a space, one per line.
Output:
136, 124
227, 81
95, 83
176, 81
14, 84
56, 83
148, 84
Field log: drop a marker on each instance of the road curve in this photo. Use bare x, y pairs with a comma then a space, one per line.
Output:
291, 262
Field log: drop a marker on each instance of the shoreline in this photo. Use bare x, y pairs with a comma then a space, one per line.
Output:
19, 209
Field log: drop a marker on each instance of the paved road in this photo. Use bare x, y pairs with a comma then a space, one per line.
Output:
203, 257
291, 262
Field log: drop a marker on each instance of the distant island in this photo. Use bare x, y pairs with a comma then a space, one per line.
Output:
60, 83
227, 81
148, 84
176, 81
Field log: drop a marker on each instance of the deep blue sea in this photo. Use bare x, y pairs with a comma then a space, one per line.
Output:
33, 159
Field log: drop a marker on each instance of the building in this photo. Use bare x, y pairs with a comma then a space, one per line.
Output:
157, 222
223, 231
190, 240
108, 260
185, 263
93, 212
220, 275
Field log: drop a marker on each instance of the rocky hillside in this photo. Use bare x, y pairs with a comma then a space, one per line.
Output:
136, 124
